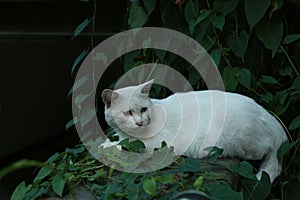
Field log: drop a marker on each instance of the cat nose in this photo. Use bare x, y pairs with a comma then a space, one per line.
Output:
139, 123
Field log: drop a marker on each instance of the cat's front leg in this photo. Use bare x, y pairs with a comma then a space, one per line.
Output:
108, 143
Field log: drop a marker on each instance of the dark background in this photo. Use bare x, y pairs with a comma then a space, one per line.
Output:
37, 54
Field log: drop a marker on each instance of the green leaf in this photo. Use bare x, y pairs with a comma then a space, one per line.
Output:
208, 42
198, 182
149, 186
259, 190
77, 84
194, 76
129, 59
21, 164
137, 16
280, 109
75, 151
282, 95
44, 171
190, 165
165, 179
81, 27
244, 169
150, 5
78, 59
162, 156
296, 84
172, 18
54, 157
291, 38
216, 56
112, 189
132, 146
79, 99
191, 10
267, 97
212, 176
280, 102
71, 123
99, 56
223, 192
291, 190
287, 71
224, 7
244, 78
203, 15
230, 78
283, 150
255, 10
160, 54
218, 21
239, 44
269, 79
214, 152
37, 193
87, 115
20, 192
270, 32
295, 123
58, 184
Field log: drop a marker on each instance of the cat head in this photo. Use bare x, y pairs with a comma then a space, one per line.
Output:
127, 109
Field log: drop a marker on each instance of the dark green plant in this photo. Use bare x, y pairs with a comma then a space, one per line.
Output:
255, 45
67, 169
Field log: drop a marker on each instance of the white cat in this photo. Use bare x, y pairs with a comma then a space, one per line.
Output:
192, 121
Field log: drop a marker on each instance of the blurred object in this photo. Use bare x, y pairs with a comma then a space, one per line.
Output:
180, 3
191, 195
79, 192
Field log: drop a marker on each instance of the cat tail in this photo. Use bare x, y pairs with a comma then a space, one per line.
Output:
271, 164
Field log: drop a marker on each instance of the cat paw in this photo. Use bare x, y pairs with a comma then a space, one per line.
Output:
107, 144
258, 175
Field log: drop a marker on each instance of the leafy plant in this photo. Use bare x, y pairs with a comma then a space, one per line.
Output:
76, 166
256, 47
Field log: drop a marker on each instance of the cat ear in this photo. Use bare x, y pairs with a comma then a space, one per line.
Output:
146, 87
108, 95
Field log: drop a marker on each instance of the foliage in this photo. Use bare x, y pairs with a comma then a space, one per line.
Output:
255, 45
67, 169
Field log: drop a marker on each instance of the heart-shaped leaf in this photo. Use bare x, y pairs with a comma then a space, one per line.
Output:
190, 165
149, 186
20, 192
150, 5
291, 38
137, 16
255, 10
270, 32
58, 184
239, 44
224, 7
295, 123
269, 79
245, 78
230, 78
245, 170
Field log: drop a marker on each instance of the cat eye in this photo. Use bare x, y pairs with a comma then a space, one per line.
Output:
144, 109
128, 113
